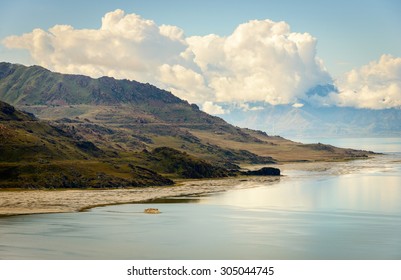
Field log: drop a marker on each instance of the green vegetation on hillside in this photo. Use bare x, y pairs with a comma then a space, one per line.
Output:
170, 161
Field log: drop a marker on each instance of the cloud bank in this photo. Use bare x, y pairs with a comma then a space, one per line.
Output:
261, 60
376, 85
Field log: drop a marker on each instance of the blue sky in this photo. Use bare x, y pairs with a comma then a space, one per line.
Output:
349, 34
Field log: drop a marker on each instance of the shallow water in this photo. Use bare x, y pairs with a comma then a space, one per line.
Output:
350, 211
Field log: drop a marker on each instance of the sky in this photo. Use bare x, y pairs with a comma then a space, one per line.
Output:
213, 52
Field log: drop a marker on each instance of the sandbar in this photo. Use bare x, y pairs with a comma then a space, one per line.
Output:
22, 202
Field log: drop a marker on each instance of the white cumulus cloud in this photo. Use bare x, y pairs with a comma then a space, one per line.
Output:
213, 109
261, 61
125, 46
376, 85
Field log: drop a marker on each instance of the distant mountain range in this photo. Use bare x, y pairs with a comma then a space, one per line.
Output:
61, 130
308, 119
311, 121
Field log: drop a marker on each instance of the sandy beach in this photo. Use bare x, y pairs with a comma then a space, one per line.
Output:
19, 202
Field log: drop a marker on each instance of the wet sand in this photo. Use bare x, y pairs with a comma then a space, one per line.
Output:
19, 202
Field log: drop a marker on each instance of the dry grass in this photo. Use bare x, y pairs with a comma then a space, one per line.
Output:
283, 150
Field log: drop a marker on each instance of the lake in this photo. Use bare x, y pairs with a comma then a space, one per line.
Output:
349, 211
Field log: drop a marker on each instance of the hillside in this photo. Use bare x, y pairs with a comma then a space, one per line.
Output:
24, 137
109, 125
34, 153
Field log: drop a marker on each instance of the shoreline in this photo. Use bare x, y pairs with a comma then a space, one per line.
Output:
26, 202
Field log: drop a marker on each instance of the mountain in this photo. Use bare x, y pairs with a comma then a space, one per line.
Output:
314, 121
106, 132
310, 119
117, 114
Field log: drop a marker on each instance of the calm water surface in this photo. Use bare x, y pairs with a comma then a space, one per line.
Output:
351, 211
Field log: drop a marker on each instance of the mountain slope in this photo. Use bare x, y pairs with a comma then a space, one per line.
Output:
24, 137
36, 154
35, 85
122, 118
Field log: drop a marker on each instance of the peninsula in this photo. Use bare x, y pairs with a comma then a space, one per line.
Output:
62, 131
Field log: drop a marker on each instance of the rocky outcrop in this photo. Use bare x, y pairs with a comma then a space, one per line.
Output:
265, 171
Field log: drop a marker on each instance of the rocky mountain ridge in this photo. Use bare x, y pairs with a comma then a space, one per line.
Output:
109, 130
